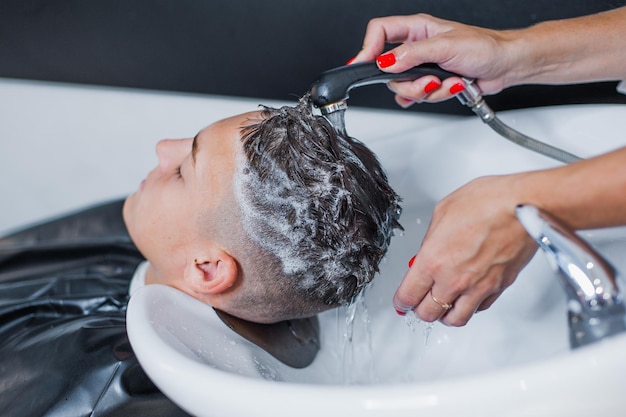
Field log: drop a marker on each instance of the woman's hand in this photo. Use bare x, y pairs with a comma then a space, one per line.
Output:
475, 247
470, 51
473, 250
583, 49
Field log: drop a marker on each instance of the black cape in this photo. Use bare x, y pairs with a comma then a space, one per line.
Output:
63, 344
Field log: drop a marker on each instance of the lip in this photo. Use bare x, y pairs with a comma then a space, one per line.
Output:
142, 184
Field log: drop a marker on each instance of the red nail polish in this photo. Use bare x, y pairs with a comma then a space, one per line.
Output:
411, 261
400, 312
386, 60
351, 60
431, 86
457, 88
404, 102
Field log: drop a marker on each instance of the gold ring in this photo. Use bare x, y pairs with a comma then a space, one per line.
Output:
445, 306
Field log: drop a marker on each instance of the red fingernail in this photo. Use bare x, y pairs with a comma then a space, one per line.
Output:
351, 60
457, 88
411, 261
400, 312
404, 102
431, 86
386, 60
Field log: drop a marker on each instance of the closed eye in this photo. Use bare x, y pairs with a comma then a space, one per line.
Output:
179, 174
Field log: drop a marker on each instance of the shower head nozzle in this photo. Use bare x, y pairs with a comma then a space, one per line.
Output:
330, 92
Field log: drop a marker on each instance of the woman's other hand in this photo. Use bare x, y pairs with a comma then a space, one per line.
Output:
473, 250
470, 51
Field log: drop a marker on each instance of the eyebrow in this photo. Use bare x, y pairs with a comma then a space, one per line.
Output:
194, 149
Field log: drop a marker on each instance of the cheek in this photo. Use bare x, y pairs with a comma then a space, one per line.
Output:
165, 224
159, 219
145, 215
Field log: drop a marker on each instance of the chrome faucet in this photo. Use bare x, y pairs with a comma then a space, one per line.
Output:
595, 306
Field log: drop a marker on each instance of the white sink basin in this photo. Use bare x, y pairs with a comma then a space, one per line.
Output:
511, 360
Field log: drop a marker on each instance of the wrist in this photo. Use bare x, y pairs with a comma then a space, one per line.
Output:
536, 188
537, 54
520, 61
557, 191
584, 195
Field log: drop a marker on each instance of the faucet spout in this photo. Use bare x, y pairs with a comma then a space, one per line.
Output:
595, 306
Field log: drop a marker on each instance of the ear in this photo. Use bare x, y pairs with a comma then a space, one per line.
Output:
211, 274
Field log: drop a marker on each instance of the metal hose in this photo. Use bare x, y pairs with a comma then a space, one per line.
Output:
472, 98
529, 143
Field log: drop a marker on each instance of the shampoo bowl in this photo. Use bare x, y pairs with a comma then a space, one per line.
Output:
511, 360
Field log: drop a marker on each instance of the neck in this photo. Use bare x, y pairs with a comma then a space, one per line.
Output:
293, 342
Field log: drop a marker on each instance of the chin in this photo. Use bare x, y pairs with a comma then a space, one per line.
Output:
127, 216
125, 210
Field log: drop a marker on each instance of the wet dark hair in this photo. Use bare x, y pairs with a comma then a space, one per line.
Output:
317, 200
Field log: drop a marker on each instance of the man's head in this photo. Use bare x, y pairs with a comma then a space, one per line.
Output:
272, 215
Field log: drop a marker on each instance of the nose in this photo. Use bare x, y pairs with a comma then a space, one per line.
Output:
171, 152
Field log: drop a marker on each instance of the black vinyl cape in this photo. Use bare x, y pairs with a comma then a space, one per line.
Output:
63, 344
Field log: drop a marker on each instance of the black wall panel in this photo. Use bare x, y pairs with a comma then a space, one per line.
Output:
267, 49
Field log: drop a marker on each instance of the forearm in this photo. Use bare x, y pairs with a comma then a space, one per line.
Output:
588, 194
584, 49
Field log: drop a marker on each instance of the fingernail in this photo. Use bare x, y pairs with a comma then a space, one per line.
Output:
351, 60
411, 261
405, 102
386, 60
457, 88
431, 86
400, 312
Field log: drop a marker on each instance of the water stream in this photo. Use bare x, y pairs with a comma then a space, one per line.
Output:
338, 120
